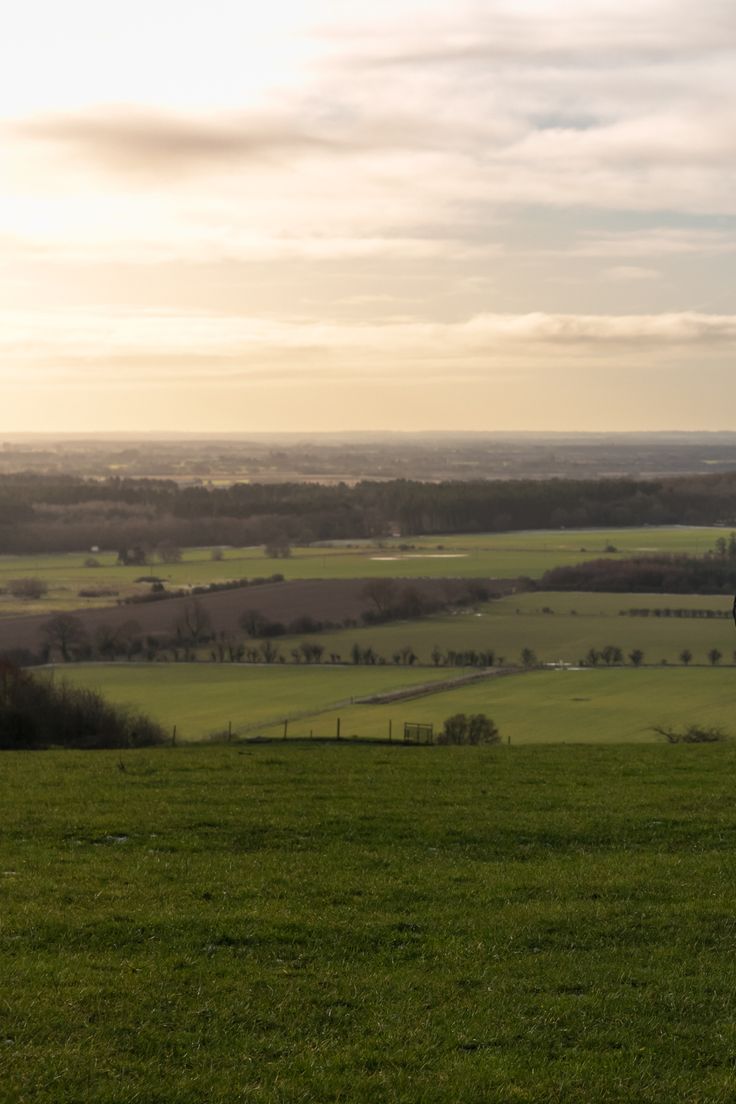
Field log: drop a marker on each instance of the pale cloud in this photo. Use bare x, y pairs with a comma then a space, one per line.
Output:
521, 125
522, 175
656, 242
242, 246
627, 273
152, 143
176, 339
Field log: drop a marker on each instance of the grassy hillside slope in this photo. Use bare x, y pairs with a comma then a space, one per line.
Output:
201, 698
369, 924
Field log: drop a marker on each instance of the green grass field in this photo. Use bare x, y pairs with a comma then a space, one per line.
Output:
615, 705
310, 924
592, 705
496, 555
202, 698
577, 623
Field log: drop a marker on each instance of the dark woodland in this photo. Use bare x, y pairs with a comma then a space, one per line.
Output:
55, 513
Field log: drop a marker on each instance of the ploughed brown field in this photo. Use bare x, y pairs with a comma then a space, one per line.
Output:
334, 600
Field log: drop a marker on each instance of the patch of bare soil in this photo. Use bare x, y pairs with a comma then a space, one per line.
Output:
335, 600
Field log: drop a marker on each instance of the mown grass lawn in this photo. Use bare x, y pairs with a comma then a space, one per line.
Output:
322, 924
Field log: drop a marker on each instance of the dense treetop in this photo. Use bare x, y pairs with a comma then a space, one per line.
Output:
63, 512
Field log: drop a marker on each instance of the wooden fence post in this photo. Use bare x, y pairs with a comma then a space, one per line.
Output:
173, 737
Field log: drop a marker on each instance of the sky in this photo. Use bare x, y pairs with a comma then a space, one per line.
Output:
332, 215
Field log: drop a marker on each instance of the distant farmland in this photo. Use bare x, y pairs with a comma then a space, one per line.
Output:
491, 555
330, 599
556, 626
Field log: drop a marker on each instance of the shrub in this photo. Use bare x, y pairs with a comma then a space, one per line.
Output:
277, 549
305, 624
475, 728
28, 588
169, 553
256, 624
612, 654
20, 657
692, 734
67, 634
38, 713
194, 623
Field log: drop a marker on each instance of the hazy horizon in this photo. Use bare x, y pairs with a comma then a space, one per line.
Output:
432, 217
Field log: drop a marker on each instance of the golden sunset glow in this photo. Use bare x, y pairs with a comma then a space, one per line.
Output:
318, 215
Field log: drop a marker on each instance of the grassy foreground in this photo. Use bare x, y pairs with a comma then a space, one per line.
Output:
365, 924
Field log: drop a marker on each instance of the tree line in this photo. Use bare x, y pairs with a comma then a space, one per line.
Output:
645, 575
665, 611
193, 638
38, 713
66, 513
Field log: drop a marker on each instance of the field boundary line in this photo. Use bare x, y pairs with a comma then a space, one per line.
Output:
414, 692
346, 703
438, 687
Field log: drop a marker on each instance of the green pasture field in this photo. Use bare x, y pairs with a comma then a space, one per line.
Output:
202, 698
649, 538
312, 924
495, 555
560, 635
592, 706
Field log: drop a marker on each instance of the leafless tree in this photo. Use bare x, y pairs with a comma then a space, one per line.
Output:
66, 633
382, 592
194, 623
30, 587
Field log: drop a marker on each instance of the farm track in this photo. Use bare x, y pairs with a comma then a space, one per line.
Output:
426, 688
